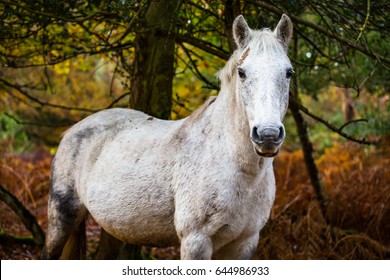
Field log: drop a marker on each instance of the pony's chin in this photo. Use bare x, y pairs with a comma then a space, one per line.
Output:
268, 154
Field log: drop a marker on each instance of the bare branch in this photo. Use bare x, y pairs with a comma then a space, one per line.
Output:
24, 215
42, 103
119, 98
329, 125
57, 17
197, 72
350, 122
203, 45
365, 21
90, 51
322, 30
37, 123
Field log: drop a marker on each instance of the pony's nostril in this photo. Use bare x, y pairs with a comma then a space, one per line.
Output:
255, 134
281, 135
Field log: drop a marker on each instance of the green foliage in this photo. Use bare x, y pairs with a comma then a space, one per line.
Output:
12, 135
377, 114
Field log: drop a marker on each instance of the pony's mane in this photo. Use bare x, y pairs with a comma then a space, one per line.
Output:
262, 41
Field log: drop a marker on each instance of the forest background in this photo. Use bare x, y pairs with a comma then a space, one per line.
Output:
64, 60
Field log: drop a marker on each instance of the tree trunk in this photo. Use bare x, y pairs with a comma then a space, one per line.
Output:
307, 148
232, 10
151, 85
154, 60
304, 138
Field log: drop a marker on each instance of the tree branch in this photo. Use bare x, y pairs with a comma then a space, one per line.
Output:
322, 30
119, 98
365, 21
329, 125
36, 123
203, 45
197, 72
89, 51
57, 17
42, 103
350, 122
9, 238
25, 216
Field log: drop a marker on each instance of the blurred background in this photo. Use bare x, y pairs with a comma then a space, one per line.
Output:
64, 60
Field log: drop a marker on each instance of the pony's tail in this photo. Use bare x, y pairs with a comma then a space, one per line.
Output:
76, 246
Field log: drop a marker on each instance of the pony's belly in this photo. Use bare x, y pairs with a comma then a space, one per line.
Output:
135, 216
148, 236
151, 230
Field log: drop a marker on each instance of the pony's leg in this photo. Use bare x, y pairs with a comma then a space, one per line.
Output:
241, 249
109, 247
75, 247
196, 246
65, 215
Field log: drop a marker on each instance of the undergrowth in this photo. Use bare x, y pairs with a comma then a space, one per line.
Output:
356, 225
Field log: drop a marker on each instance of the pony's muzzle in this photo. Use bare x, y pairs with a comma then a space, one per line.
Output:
267, 140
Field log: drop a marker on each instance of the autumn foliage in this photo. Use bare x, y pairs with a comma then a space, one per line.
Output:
356, 226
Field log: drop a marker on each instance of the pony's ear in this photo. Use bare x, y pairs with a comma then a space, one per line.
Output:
241, 32
284, 31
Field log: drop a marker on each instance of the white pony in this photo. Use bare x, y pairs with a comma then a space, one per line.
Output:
205, 182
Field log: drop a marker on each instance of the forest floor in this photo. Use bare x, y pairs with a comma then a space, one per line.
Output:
356, 224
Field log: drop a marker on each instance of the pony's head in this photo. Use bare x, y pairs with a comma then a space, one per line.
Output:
262, 73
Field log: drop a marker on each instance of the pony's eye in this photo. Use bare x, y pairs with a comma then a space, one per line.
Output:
241, 73
289, 73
